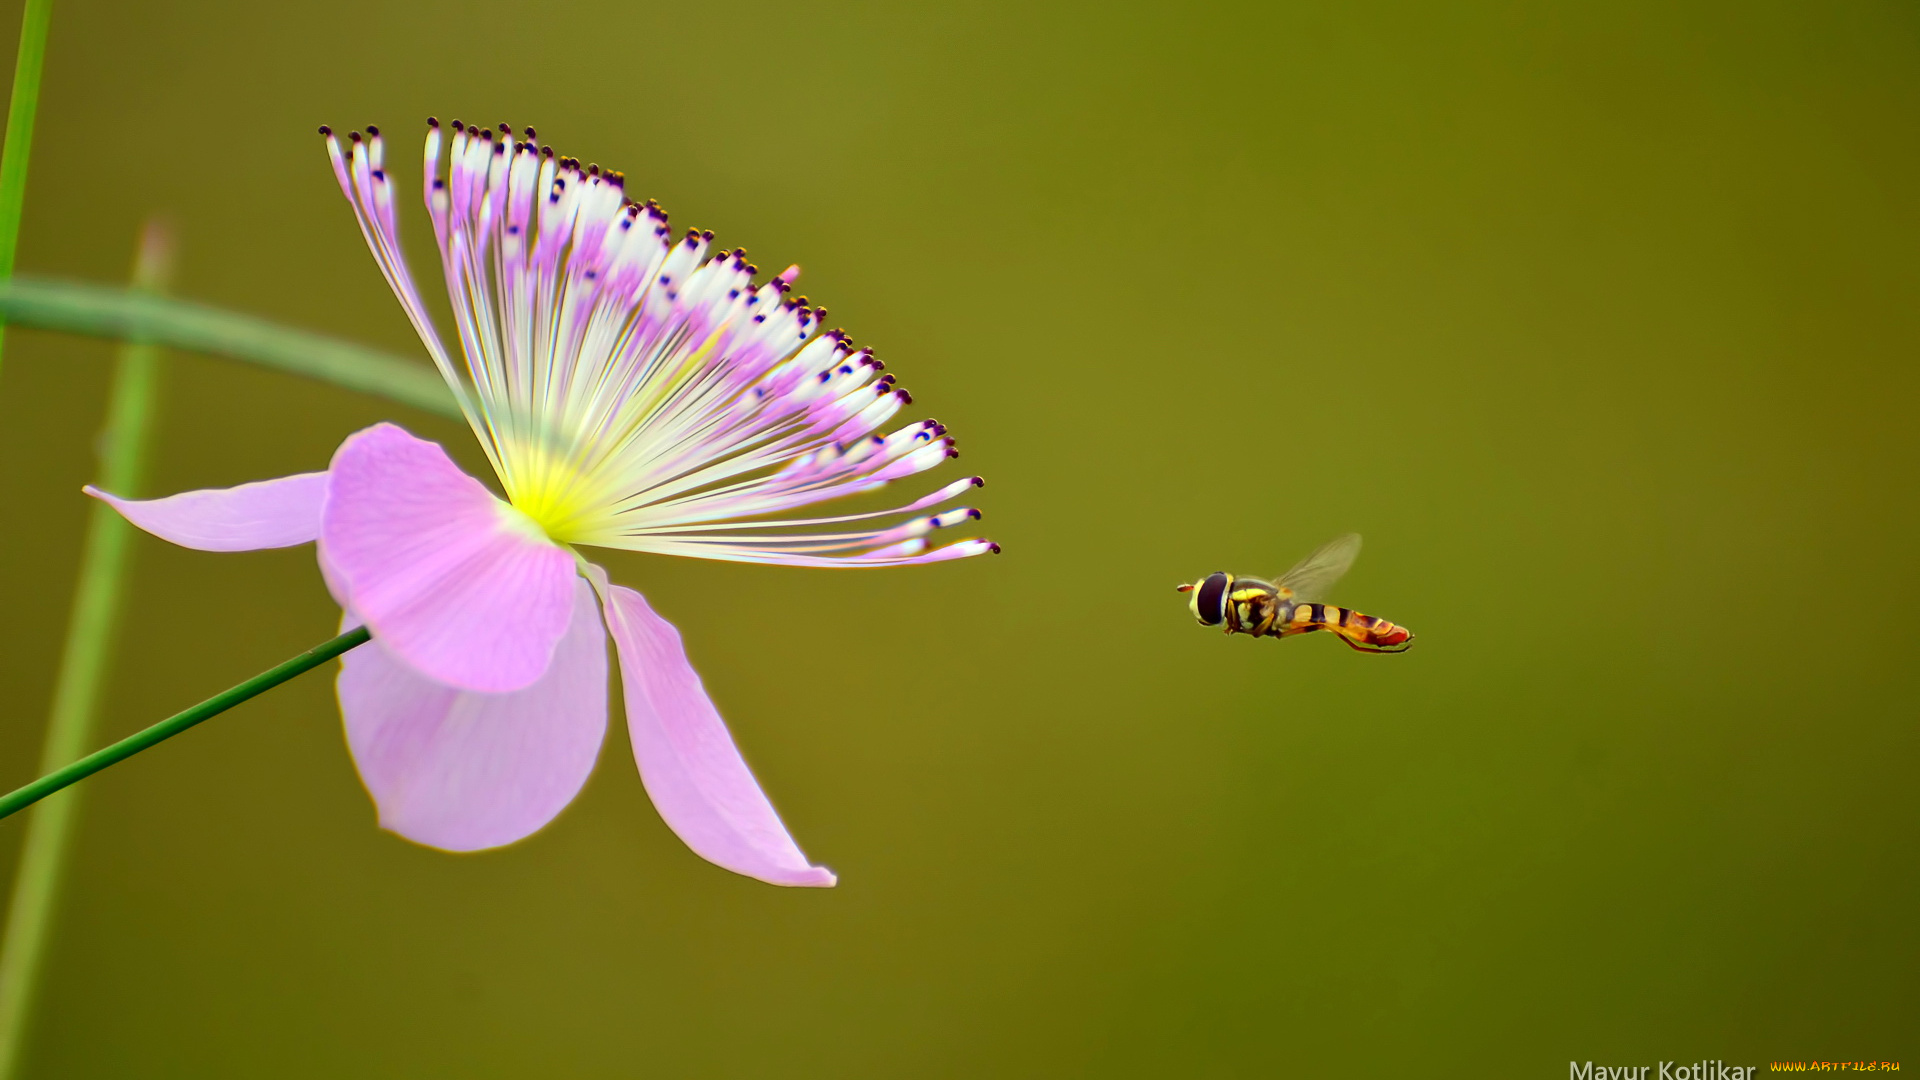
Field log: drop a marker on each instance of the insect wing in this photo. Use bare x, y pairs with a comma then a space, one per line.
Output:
1317, 572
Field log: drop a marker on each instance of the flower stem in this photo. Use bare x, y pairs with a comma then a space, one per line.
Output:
20, 111
77, 307
21, 797
83, 660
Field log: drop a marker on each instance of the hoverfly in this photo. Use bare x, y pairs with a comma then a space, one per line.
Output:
1290, 606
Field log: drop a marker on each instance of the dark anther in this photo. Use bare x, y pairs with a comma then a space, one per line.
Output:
325, 130
433, 121
372, 132
504, 129
979, 481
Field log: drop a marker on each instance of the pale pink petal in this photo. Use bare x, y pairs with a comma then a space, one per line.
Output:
335, 587
265, 514
687, 760
452, 580
461, 770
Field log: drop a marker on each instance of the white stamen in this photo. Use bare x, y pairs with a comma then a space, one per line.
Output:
629, 390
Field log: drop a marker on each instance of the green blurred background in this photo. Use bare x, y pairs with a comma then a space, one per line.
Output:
1598, 320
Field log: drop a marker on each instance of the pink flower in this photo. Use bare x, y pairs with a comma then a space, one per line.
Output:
631, 392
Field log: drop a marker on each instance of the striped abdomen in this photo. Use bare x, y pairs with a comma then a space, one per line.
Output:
1362, 632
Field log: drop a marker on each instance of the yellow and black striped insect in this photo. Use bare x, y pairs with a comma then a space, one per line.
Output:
1291, 605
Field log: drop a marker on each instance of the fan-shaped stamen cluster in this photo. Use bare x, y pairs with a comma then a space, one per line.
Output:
634, 391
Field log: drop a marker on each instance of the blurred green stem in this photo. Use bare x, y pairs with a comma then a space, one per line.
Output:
83, 660
13, 157
105, 311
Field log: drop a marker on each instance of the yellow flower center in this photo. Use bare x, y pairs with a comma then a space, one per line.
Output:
551, 492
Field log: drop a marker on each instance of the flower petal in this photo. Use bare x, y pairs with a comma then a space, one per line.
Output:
265, 514
452, 580
688, 762
463, 771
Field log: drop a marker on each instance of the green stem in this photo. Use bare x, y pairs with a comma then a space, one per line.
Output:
83, 661
106, 311
20, 111
22, 797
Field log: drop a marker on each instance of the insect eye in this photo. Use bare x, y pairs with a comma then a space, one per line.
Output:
1208, 600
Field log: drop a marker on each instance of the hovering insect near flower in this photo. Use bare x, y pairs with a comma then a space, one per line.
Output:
1289, 606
